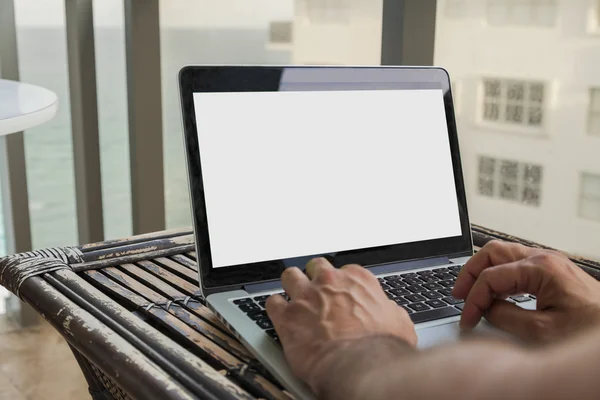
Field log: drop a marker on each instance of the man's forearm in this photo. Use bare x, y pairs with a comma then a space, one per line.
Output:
384, 367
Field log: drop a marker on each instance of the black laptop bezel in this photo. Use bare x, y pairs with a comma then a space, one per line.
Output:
193, 79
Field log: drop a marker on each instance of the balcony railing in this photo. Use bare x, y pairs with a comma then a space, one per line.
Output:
145, 109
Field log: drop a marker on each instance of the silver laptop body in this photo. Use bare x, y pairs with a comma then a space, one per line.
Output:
377, 145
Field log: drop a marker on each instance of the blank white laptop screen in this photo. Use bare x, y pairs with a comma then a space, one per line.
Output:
291, 174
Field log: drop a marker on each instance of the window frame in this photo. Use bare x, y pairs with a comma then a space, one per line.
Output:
502, 124
519, 182
531, 5
582, 198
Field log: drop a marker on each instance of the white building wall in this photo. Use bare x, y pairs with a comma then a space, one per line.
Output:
566, 56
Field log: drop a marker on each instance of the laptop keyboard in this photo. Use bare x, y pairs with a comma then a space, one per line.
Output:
425, 295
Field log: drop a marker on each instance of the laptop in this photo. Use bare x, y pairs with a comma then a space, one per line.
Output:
360, 165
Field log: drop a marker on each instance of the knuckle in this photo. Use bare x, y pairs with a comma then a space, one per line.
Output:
495, 245
326, 276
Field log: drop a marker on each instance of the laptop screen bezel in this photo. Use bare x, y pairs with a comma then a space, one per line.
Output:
194, 79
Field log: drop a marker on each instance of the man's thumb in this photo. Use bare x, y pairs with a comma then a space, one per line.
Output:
524, 324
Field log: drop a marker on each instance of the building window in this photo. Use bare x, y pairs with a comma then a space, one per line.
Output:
280, 32
513, 102
589, 202
510, 180
594, 112
522, 12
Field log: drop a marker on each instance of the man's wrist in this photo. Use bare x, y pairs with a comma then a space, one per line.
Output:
342, 370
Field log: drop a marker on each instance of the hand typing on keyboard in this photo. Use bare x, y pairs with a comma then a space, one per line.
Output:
343, 337
568, 299
329, 309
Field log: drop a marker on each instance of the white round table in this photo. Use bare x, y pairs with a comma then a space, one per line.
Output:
24, 106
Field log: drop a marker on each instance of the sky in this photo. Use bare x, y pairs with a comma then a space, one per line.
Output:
173, 13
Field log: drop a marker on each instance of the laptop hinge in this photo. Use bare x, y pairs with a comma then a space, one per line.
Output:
405, 266
377, 270
262, 287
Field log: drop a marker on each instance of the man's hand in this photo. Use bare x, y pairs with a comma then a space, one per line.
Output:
568, 299
330, 312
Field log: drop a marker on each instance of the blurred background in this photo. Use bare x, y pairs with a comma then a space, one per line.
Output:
524, 77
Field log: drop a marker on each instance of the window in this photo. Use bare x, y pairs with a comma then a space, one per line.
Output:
513, 102
280, 32
510, 180
594, 112
589, 202
522, 12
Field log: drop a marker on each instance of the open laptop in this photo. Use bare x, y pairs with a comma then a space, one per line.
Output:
354, 164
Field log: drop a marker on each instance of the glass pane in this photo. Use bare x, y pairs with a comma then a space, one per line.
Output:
590, 186
48, 148
253, 32
590, 209
487, 166
595, 99
112, 114
544, 130
594, 124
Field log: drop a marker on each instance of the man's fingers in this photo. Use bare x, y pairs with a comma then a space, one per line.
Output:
524, 324
317, 267
498, 282
294, 281
492, 254
275, 306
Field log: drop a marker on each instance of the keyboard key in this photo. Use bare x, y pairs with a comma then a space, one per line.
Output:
401, 301
381, 280
444, 277
446, 292
419, 307
436, 303
416, 288
392, 278
412, 281
452, 301
426, 272
520, 299
390, 295
399, 292
396, 284
432, 295
256, 315
265, 323
454, 273
243, 301
262, 298
263, 304
449, 284
428, 278
432, 286
460, 306
408, 310
414, 298
434, 314
439, 270
248, 307
385, 287
409, 275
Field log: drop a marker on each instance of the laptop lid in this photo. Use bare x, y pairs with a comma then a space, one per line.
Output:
356, 164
